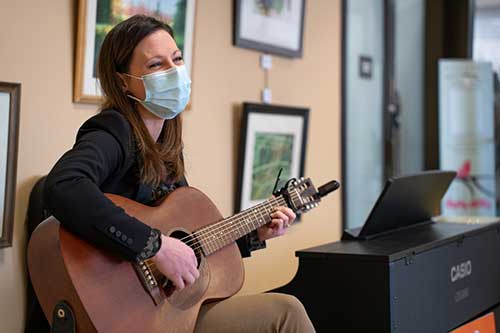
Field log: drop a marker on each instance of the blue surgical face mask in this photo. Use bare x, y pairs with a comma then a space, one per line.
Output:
167, 92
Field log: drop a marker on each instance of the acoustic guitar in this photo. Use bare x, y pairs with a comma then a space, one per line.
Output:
106, 294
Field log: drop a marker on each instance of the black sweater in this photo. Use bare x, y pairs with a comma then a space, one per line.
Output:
104, 160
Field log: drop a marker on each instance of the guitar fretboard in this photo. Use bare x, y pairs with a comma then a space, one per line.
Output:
301, 195
215, 236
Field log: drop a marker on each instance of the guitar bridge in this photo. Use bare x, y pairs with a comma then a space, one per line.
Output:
149, 281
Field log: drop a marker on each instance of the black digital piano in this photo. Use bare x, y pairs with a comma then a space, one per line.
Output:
430, 278
402, 272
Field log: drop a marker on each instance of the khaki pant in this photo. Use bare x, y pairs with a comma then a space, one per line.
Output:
269, 312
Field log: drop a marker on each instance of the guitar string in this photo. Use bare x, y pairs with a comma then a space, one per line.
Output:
216, 227
242, 216
281, 200
241, 220
205, 237
152, 267
210, 229
194, 238
236, 222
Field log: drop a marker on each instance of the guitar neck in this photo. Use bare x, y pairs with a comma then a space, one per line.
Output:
215, 236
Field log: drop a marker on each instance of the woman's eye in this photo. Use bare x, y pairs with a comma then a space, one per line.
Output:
156, 64
178, 59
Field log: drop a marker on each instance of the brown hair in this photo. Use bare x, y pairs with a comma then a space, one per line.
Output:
158, 160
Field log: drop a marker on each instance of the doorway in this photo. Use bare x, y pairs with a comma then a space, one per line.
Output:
390, 55
383, 98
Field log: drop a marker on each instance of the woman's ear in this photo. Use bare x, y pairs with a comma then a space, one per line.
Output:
123, 82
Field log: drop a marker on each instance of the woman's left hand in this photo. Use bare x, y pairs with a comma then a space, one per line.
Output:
281, 219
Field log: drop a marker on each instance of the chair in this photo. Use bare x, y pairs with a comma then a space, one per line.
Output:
35, 318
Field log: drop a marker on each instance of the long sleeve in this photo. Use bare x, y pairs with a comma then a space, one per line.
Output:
249, 243
72, 194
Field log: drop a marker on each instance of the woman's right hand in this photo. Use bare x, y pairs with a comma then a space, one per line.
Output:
177, 262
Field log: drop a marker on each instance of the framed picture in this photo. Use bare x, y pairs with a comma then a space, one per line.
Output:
270, 26
97, 17
272, 137
10, 95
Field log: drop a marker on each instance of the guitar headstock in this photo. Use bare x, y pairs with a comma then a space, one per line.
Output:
302, 196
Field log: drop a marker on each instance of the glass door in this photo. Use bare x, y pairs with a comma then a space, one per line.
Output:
363, 99
406, 86
383, 98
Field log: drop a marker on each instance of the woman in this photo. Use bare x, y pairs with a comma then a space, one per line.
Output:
133, 148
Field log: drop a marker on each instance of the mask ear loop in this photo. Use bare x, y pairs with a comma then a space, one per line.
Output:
134, 98
138, 78
133, 76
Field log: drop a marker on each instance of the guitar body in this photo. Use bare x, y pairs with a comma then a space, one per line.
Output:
106, 293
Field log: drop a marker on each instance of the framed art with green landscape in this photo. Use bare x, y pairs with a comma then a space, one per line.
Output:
272, 138
97, 17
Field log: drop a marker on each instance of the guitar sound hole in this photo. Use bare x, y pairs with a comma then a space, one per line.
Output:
191, 241
168, 286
